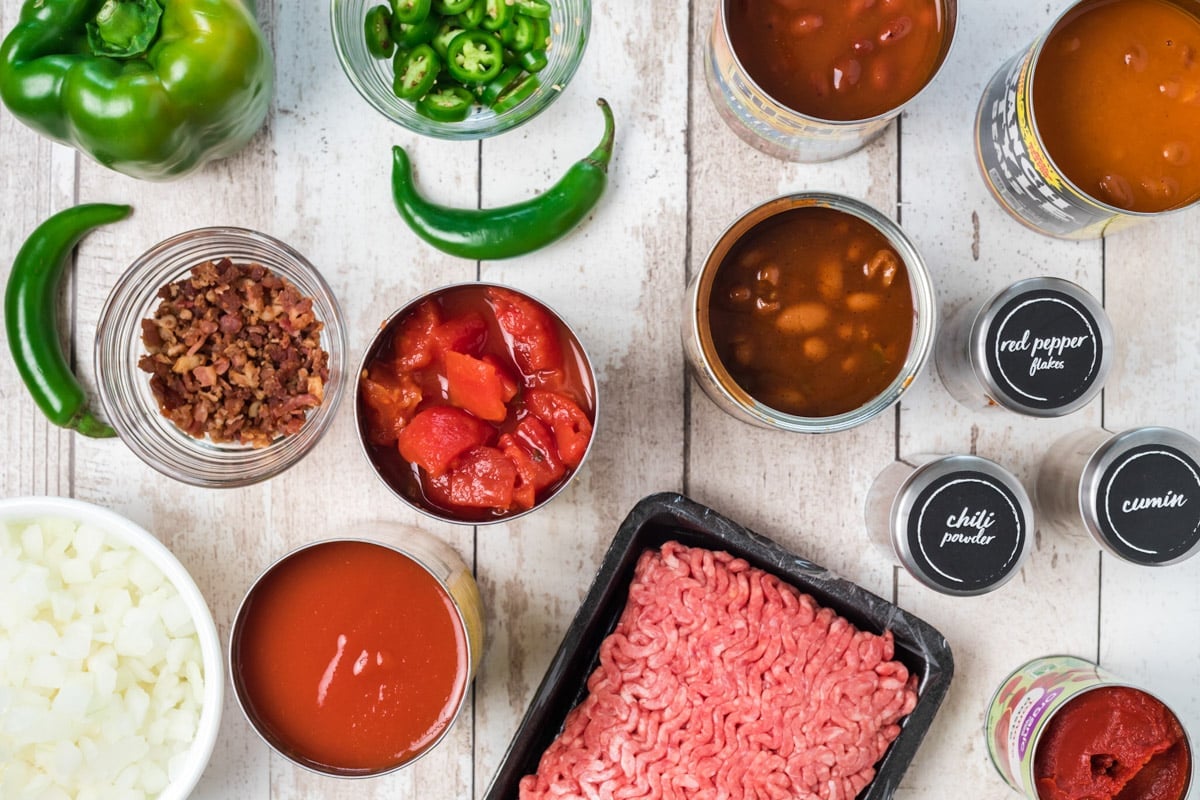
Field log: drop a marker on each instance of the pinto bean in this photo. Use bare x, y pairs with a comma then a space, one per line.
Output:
830, 280
859, 302
816, 349
802, 318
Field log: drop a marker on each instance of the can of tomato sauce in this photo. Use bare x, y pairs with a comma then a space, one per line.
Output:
817, 80
812, 313
960, 524
1096, 125
1041, 347
1061, 728
1136, 493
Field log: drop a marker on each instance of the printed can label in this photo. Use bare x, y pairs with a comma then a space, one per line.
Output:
1017, 170
1025, 703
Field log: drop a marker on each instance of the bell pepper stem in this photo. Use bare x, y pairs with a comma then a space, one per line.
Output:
603, 152
124, 28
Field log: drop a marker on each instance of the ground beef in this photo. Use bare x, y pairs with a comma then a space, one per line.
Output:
234, 352
721, 681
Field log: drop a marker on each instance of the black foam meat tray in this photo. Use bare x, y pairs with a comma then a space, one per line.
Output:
664, 517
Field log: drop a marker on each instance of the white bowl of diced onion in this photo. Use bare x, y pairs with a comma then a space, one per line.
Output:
111, 681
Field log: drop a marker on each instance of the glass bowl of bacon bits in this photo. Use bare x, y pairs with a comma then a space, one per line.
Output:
220, 357
476, 403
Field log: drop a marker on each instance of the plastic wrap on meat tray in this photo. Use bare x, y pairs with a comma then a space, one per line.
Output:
672, 517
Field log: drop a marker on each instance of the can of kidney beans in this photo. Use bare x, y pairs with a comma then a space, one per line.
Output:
1011, 142
1041, 347
871, 29
960, 524
1065, 721
1136, 493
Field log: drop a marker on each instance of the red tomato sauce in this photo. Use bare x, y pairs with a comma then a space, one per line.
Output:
1116, 93
352, 656
478, 403
1113, 743
838, 59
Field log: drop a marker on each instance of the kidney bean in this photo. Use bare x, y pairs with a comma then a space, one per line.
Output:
1116, 189
846, 73
750, 259
816, 349
859, 7
1165, 187
1169, 88
768, 275
802, 318
862, 47
863, 301
807, 23
1177, 153
765, 305
1071, 44
857, 251
880, 264
1136, 57
881, 74
739, 295
896, 30
743, 351
1188, 57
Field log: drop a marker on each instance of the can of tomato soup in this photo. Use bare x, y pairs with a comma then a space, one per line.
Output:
842, 70
1060, 726
1096, 125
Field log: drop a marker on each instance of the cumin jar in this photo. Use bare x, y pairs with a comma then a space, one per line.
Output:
1135, 493
840, 74
132, 407
812, 313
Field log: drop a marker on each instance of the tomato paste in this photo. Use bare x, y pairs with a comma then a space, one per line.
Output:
1112, 743
351, 656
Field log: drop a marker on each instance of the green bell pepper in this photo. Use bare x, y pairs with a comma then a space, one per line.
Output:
150, 88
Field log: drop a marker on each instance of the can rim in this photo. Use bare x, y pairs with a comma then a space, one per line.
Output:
1102, 458
983, 319
948, 40
924, 475
417, 558
925, 314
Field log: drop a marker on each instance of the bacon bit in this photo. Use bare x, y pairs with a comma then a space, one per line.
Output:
234, 352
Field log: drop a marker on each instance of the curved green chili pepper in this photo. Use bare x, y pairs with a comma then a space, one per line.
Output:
30, 315
495, 233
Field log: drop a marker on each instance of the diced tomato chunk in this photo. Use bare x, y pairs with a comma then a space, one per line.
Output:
571, 426
511, 387
413, 342
465, 334
475, 386
390, 399
482, 477
529, 330
531, 447
438, 435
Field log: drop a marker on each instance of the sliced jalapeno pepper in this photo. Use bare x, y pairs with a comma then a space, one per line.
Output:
448, 8
418, 74
520, 34
409, 36
410, 12
541, 34
497, 13
534, 8
472, 18
475, 57
496, 86
378, 29
516, 94
447, 104
444, 36
533, 60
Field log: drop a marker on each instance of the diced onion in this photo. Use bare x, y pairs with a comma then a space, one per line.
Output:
101, 675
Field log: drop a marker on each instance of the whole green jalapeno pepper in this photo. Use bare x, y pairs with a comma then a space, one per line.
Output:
30, 318
495, 233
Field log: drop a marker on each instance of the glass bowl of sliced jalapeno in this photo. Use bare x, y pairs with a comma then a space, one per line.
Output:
460, 69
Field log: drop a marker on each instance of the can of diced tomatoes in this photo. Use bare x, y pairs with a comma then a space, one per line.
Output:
852, 46
1074, 729
1011, 142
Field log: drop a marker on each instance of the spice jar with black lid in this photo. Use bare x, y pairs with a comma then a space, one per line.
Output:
1042, 347
960, 524
1136, 493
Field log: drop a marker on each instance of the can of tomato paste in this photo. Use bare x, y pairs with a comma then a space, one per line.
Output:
1042, 347
960, 524
1073, 195
845, 46
1136, 493
1060, 726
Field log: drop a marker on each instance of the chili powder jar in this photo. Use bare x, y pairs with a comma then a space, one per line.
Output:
960, 524
1042, 347
1136, 493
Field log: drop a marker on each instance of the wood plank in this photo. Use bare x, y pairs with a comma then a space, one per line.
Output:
614, 280
974, 249
1152, 294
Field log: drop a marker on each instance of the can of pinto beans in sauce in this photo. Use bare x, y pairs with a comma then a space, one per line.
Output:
1060, 726
840, 72
1096, 125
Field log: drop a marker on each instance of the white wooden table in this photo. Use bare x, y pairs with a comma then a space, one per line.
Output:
317, 177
